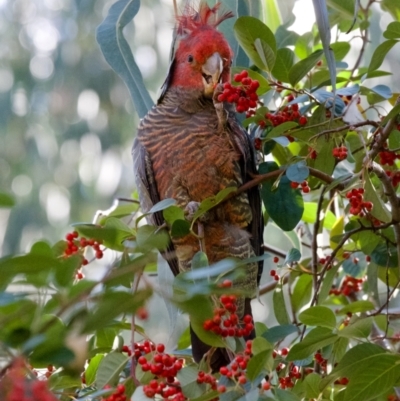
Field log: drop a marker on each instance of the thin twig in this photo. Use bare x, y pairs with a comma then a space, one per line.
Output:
381, 138
314, 245
390, 192
344, 128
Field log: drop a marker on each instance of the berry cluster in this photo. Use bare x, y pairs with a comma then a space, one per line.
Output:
289, 380
117, 395
343, 381
358, 207
322, 362
394, 176
303, 185
273, 274
15, 386
340, 153
244, 95
226, 322
350, 285
388, 157
312, 153
164, 367
76, 245
206, 378
288, 113
237, 369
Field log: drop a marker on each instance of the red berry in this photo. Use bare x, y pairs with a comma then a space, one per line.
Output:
160, 348
272, 273
276, 259
303, 120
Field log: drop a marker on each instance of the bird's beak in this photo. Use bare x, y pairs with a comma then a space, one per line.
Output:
211, 71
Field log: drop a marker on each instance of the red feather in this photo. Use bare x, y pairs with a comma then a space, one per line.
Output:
191, 19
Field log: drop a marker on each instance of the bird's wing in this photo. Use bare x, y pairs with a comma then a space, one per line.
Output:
249, 168
148, 196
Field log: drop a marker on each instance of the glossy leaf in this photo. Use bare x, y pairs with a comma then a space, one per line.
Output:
279, 304
118, 54
392, 30
318, 316
284, 204
317, 338
311, 385
109, 369
303, 67
298, 172
302, 292
380, 54
379, 209
91, 370
247, 30
279, 333
283, 63
310, 212
357, 307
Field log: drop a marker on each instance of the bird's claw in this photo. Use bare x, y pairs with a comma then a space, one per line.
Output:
191, 208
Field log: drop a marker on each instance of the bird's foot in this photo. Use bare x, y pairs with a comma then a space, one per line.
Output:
219, 108
191, 208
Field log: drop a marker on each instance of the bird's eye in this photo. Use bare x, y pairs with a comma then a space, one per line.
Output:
190, 58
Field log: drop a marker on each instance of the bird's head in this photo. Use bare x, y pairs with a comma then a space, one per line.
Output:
203, 56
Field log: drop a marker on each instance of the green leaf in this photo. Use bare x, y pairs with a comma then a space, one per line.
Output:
311, 385
325, 161
282, 395
392, 30
344, 7
330, 276
379, 209
302, 292
317, 338
258, 365
281, 129
91, 370
188, 380
180, 228
247, 29
303, 67
355, 269
199, 260
283, 63
354, 361
361, 328
162, 205
267, 55
280, 311
380, 54
279, 333
284, 204
382, 374
340, 49
118, 54
212, 201
385, 255
394, 140
357, 307
318, 316
310, 215
298, 172
293, 255
173, 213
109, 369
148, 237
6, 200
114, 304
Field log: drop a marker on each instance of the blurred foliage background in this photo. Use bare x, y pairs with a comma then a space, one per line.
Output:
66, 120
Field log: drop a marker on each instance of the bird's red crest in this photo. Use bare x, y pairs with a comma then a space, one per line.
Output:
191, 19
